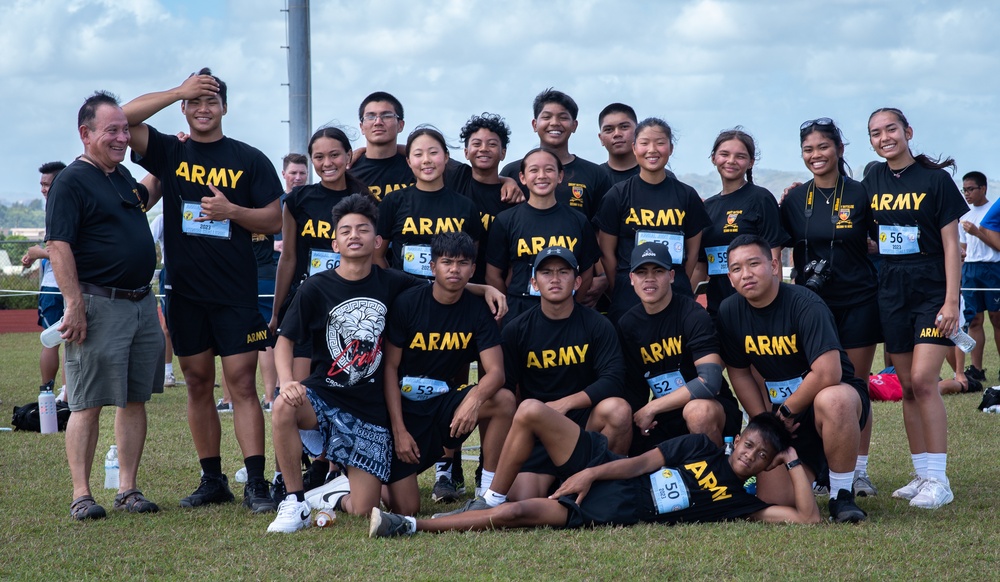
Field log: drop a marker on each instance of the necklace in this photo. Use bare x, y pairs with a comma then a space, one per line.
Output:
900, 173
827, 197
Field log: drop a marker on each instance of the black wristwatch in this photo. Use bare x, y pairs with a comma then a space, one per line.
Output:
785, 412
793, 463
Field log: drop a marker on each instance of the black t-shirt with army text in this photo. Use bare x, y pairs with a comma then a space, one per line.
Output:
311, 207
582, 188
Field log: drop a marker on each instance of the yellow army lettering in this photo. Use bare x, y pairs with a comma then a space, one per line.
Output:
376, 191
441, 341
257, 336
903, 201
536, 244
564, 356
709, 481
662, 217
317, 229
223, 177
775, 345
428, 226
664, 348
930, 332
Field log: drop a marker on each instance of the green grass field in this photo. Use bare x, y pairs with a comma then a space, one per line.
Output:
960, 541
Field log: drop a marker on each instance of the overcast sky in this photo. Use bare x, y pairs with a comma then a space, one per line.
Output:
702, 65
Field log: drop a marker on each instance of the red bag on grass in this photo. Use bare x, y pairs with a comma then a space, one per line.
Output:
885, 387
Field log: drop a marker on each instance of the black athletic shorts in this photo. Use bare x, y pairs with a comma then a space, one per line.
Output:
431, 430
671, 424
807, 441
910, 294
225, 329
613, 502
539, 461
858, 325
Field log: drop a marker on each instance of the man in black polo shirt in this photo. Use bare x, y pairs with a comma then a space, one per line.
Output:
787, 333
217, 192
103, 257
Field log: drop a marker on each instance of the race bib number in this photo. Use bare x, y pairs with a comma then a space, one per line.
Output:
209, 228
417, 260
779, 391
673, 241
669, 491
665, 383
898, 240
418, 389
320, 261
718, 260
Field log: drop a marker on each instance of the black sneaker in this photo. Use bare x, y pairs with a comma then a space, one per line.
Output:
843, 509
974, 372
444, 491
278, 491
974, 385
212, 489
257, 496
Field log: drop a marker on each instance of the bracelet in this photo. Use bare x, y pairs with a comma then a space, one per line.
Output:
792, 464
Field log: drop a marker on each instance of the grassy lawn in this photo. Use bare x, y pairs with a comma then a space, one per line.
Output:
959, 541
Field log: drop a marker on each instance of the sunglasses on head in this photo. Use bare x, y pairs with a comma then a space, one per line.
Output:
822, 121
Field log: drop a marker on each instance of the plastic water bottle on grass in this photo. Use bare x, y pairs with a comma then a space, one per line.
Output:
111, 468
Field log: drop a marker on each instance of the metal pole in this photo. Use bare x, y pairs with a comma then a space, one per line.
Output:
299, 77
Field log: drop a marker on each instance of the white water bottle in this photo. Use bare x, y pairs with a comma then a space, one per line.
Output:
52, 337
111, 468
729, 445
47, 410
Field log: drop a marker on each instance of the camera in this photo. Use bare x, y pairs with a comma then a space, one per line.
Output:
817, 273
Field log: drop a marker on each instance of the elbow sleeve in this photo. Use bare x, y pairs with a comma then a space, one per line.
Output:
709, 387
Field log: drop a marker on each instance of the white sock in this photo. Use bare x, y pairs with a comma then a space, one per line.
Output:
840, 481
412, 523
920, 464
486, 479
861, 466
493, 498
168, 368
442, 469
937, 463
276, 475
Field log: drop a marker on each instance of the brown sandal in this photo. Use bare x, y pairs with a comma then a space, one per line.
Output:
86, 508
133, 501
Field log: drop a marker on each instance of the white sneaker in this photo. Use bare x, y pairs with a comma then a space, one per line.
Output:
933, 494
328, 495
863, 486
62, 394
292, 516
169, 380
910, 490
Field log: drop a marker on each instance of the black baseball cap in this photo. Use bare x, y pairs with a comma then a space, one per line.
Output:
558, 252
651, 252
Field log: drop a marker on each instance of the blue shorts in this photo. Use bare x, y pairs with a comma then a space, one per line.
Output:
265, 298
50, 307
347, 440
980, 276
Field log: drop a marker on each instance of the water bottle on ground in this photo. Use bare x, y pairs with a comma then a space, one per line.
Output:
729, 445
52, 337
111, 468
326, 518
47, 409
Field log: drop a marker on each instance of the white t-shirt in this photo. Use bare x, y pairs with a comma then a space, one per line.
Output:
976, 251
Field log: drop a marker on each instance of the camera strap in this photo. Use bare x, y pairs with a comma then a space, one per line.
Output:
837, 201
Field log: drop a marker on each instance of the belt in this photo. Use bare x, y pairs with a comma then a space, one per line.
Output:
115, 293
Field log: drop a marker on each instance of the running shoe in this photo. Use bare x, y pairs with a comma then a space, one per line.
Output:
386, 525
444, 491
257, 496
910, 490
329, 495
863, 486
974, 372
169, 380
932, 495
212, 489
844, 510
471, 505
293, 515
224, 406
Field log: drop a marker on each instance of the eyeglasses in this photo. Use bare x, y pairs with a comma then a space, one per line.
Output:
385, 117
821, 122
970, 189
